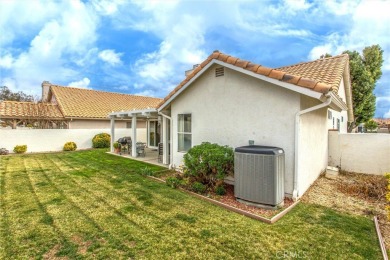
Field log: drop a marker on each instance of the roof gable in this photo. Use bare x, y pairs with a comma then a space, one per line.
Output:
321, 82
86, 103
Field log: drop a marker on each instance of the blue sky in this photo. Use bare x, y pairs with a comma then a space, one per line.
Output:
144, 47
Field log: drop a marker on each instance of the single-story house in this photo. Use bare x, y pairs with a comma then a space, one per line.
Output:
230, 101
73, 108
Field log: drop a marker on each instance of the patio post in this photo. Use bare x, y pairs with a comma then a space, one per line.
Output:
134, 137
112, 118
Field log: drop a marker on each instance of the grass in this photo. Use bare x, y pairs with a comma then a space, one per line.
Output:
90, 204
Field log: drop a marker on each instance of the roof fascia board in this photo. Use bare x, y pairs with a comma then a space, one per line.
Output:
289, 86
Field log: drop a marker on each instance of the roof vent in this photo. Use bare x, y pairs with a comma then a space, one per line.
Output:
219, 72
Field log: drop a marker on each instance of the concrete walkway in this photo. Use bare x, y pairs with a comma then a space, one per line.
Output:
151, 156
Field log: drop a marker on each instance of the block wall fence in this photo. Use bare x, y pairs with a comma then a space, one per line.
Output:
48, 140
361, 153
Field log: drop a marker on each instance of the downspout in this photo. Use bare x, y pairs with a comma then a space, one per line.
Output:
297, 136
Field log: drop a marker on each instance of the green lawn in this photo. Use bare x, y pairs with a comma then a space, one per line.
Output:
90, 204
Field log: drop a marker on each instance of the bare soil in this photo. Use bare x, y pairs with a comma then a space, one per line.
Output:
352, 193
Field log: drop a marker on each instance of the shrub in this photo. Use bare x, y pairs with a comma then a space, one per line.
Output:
208, 164
220, 190
198, 187
146, 171
172, 182
20, 148
101, 140
70, 146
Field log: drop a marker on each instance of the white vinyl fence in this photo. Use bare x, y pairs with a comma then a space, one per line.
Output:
45, 140
362, 153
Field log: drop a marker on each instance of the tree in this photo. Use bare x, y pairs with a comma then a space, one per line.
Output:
7, 94
371, 125
365, 71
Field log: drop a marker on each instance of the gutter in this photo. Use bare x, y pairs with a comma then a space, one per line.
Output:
297, 136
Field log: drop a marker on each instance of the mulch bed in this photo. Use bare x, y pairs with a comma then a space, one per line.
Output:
230, 200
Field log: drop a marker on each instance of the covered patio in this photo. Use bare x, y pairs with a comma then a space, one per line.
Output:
151, 156
158, 135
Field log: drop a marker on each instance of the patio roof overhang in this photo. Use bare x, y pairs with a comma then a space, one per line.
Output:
139, 113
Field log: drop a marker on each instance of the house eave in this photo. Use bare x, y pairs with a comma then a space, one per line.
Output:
337, 104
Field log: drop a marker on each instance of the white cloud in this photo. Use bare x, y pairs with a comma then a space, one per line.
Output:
84, 83
107, 7
370, 24
111, 57
387, 114
6, 61
297, 5
62, 34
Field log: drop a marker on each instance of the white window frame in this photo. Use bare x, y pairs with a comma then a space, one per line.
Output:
183, 132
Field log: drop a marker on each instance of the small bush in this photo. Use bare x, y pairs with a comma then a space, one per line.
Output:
116, 145
172, 182
198, 187
146, 171
208, 164
101, 140
20, 148
70, 146
220, 190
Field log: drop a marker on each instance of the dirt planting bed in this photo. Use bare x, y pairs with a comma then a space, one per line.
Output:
353, 193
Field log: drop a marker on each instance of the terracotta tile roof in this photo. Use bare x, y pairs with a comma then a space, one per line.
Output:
327, 70
320, 75
14, 109
86, 103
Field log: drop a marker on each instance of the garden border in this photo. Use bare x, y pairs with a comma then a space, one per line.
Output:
239, 211
380, 238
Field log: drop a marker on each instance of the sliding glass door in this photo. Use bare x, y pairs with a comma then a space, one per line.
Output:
153, 133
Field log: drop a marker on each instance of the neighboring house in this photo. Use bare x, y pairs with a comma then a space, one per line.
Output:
383, 125
29, 114
230, 101
74, 108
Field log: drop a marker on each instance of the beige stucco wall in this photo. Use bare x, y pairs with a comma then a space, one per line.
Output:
342, 116
313, 150
362, 153
235, 108
93, 124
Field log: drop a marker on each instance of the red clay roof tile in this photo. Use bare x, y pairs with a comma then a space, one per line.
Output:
86, 103
264, 71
